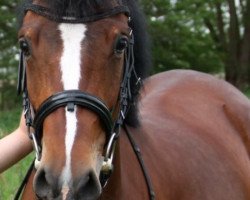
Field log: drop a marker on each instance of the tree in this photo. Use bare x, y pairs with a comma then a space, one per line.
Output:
179, 38
8, 53
230, 31
198, 32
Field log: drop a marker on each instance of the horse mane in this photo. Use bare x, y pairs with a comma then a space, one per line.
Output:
142, 55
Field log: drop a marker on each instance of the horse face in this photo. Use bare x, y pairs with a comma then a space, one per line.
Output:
63, 56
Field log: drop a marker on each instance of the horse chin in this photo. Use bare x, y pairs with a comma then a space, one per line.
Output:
66, 194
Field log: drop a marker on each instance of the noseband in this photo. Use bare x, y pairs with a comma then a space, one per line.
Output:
71, 98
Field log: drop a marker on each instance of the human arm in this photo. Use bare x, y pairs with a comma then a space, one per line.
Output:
14, 146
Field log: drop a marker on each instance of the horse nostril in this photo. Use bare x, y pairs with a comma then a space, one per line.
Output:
43, 185
88, 187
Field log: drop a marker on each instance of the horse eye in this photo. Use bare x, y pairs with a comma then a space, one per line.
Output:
121, 44
24, 46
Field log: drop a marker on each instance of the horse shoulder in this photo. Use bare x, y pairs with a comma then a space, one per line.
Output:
194, 129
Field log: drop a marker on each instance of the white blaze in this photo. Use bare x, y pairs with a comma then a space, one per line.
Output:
72, 36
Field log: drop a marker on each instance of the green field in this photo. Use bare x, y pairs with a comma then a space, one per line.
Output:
12, 178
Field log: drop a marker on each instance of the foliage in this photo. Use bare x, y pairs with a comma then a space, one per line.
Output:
202, 35
9, 120
8, 54
179, 38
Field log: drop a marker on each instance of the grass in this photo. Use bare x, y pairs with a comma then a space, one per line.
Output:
12, 178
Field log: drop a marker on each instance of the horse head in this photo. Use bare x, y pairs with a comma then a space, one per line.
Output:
78, 81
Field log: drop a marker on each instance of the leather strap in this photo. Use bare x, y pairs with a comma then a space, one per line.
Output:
21, 74
46, 12
138, 154
70, 98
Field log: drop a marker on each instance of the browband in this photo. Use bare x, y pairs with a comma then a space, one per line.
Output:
46, 12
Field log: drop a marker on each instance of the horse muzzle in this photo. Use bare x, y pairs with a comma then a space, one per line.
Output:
49, 187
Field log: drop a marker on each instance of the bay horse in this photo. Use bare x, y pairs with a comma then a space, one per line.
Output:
184, 135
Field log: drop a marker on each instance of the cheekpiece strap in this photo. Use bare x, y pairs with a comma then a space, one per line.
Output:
125, 90
21, 82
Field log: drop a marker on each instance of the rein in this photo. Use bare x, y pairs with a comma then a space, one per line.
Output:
70, 98
138, 154
24, 182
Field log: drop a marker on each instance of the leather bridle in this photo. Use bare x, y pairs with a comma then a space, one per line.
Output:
72, 98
